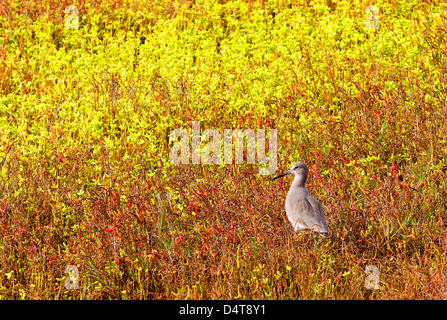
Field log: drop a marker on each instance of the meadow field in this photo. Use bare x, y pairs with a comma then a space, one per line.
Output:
92, 207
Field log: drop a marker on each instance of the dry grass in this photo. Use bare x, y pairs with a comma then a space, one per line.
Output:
146, 229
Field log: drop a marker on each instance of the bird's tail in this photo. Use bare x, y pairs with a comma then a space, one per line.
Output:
325, 234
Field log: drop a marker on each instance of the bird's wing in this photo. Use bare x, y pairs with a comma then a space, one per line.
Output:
318, 211
301, 213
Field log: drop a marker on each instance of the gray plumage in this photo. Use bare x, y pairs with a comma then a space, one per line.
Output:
303, 210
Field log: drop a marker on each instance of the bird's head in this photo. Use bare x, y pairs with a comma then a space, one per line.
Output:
298, 169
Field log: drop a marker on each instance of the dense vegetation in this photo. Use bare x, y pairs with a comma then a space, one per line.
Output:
85, 175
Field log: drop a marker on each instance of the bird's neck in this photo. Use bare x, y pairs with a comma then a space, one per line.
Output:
299, 182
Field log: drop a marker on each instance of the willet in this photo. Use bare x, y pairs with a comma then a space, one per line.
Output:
303, 210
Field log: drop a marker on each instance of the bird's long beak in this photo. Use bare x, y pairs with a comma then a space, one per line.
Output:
282, 175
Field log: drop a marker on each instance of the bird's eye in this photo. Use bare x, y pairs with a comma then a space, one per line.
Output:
295, 168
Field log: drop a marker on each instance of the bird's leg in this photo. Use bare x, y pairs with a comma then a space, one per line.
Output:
317, 239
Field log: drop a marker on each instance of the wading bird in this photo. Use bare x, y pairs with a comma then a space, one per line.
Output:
303, 210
